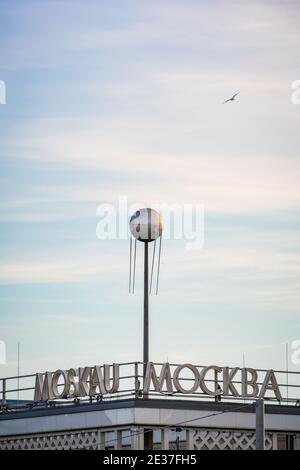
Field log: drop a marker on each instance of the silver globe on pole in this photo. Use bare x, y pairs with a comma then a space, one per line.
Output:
146, 225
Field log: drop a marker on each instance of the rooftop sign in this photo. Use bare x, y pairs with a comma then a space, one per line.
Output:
186, 379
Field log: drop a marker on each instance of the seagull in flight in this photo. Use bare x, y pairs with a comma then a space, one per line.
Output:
232, 98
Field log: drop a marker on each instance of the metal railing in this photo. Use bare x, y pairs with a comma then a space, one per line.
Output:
15, 398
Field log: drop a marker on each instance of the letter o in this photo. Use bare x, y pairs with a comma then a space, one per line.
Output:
55, 380
177, 385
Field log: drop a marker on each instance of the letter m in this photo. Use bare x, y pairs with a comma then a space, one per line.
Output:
158, 383
43, 390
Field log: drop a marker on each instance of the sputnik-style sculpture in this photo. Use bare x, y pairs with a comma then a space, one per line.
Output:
146, 225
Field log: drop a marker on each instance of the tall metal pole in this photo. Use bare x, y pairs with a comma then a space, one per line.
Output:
146, 310
148, 434
260, 424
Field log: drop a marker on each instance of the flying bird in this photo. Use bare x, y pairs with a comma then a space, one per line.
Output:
232, 98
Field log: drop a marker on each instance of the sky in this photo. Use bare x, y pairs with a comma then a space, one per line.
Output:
125, 99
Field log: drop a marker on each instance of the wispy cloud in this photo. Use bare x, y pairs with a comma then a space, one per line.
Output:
231, 184
126, 99
238, 26
59, 272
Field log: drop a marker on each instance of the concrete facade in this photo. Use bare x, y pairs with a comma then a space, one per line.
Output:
123, 423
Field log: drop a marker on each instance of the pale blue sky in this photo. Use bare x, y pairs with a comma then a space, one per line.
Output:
124, 98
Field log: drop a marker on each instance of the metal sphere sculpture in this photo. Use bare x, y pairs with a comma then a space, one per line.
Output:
146, 225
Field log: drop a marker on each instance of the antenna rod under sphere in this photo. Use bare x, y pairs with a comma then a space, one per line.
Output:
146, 309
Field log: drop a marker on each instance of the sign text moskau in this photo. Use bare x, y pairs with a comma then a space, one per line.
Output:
91, 381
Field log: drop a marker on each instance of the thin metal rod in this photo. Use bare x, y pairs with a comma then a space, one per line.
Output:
18, 381
146, 312
244, 362
158, 265
153, 257
134, 263
287, 370
130, 257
